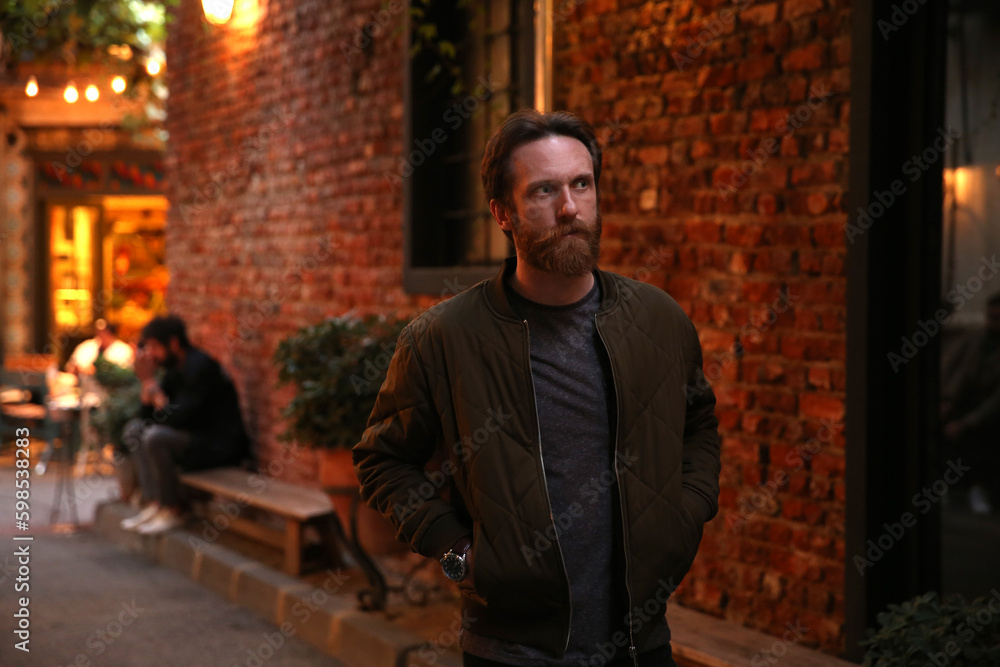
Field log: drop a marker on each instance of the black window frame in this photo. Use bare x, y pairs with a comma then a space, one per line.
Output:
418, 278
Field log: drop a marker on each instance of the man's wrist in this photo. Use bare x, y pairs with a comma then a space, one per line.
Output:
461, 546
454, 563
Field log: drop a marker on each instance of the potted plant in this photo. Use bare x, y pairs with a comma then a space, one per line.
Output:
337, 368
931, 631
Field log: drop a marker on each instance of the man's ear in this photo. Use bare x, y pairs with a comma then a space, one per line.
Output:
501, 214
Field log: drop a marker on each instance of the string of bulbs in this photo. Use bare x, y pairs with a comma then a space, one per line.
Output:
91, 92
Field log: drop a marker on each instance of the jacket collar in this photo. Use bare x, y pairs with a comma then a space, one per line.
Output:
497, 297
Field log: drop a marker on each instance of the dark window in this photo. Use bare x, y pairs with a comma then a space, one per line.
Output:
470, 65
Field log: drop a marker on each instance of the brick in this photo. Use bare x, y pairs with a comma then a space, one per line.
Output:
822, 407
760, 15
810, 57
793, 9
759, 67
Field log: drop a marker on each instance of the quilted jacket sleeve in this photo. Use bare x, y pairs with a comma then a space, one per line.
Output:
701, 457
401, 435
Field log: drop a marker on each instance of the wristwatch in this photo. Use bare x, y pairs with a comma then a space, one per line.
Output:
453, 563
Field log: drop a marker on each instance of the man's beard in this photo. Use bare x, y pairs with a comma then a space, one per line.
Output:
171, 361
550, 252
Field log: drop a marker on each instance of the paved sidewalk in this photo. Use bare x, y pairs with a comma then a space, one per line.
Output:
93, 604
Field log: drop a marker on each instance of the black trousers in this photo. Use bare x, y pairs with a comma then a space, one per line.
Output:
658, 657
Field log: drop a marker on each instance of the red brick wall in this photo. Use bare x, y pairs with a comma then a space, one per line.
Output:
717, 192
278, 141
279, 213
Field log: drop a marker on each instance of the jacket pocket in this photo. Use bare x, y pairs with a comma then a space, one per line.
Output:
691, 514
472, 587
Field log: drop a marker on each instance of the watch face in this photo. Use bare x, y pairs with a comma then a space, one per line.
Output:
453, 566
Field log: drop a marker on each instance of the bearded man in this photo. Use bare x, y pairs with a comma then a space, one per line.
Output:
577, 434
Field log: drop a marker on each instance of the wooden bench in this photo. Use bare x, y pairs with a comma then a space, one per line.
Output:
299, 507
701, 640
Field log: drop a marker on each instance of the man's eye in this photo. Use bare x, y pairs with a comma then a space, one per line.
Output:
582, 183
544, 189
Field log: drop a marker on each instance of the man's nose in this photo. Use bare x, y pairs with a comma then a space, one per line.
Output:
567, 204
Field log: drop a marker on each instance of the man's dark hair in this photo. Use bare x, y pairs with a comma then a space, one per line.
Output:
164, 327
523, 127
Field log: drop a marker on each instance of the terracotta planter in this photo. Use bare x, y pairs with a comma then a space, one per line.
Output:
375, 533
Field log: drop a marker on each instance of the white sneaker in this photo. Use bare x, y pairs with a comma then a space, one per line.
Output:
142, 517
165, 519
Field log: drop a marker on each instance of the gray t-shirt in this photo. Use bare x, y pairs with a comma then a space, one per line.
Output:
572, 390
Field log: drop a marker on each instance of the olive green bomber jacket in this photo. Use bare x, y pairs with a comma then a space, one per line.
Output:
459, 385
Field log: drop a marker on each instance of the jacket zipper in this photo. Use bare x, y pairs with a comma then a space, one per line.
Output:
545, 482
633, 653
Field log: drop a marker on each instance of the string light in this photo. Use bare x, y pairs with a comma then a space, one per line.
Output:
71, 94
118, 84
92, 93
32, 88
153, 67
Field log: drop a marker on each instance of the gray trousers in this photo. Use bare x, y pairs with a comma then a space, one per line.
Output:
156, 450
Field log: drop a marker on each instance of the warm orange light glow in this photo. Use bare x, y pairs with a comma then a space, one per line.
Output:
71, 94
217, 12
153, 67
32, 88
92, 93
962, 183
118, 84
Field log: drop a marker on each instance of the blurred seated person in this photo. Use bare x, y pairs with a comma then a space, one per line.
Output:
106, 344
972, 417
190, 420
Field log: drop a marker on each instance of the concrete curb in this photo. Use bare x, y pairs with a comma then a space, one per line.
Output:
321, 616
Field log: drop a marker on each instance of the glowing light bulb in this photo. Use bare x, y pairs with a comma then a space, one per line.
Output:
32, 88
153, 67
217, 12
71, 94
118, 84
92, 93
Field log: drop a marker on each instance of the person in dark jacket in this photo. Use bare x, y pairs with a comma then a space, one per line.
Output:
579, 447
190, 420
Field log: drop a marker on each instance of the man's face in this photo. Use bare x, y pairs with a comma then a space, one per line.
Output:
556, 223
163, 355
